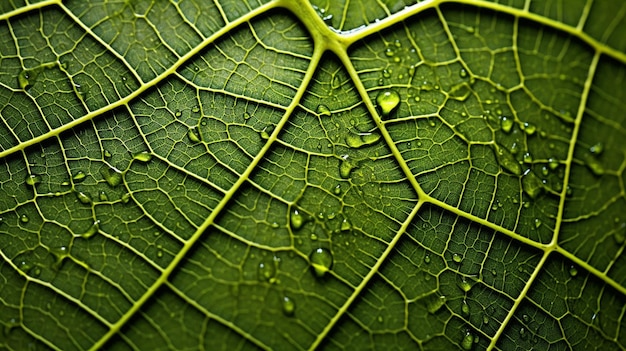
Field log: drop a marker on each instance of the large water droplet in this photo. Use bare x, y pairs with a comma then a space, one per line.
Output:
111, 175
531, 184
321, 261
289, 306
468, 341
33, 179
506, 124
143, 156
93, 229
361, 139
387, 100
79, 176
323, 110
83, 198
296, 219
194, 135
435, 302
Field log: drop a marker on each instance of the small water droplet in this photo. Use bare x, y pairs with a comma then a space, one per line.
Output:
24, 218
33, 179
468, 341
522, 333
553, 163
93, 229
178, 113
111, 175
25, 78
107, 154
527, 157
529, 128
296, 219
457, 258
573, 271
103, 196
387, 100
195, 109
265, 133
427, 259
79, 176
289, 306
537, 223
465, 285
194, 135
507, 161
321, 261
506, 124
246, 116
83, 198
143, 156
337, 189
597, 148
345, 225
361, 139
125, 198
593, 164
465, 309
463, 73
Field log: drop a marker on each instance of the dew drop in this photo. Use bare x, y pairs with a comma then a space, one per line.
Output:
361, 139
193, 135
465, 309
321, 261
529, 128
296, 219
93, 229
143, 156
125, 198
468, 341
465, 285
178, 114
506, 124
195, 109
527, 157
531, 184
553, 163
337, 189
289, 306
435, 303
345, 168
103, 196
107, 154
24, 78
83, 198
79, 176
457, 258
246, 116
573, 271
597, 148
24, 218
33, 179
387, 100
594, 165
427, 259
345, 225
111, 175
463, 73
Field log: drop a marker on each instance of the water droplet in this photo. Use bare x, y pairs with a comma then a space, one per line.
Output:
345, 168
427, 259
573, 271
507, 161
463, 73
83, 198
93, 229
345, 225
529, 128
553, 163
527, 157
111, 175
361, 139
321, 261
195, 109
289, 306
485, 319
267, 271
107, 154
265, 133
387, 100
337, 189
435, 302
457, 258
33, 179
537, 223
79, 176
465, 285
597, 148
594, 165
296, 219
24, 218
522, 333
178, 114
468, 341
194, 135
506, 124
143, 156
103, 196
125, 198
531, 184
465, 309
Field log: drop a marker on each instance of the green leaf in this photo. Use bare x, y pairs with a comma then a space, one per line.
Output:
430, 175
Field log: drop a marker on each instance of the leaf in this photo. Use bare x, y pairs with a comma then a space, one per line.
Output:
331, 175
